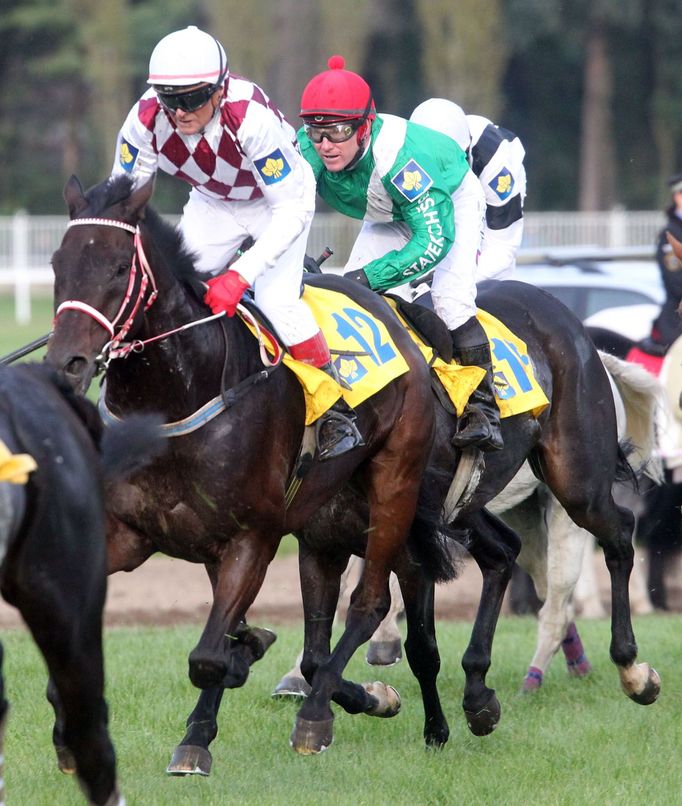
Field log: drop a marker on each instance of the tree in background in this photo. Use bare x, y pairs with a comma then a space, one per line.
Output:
392, 60
592, 87
465, 53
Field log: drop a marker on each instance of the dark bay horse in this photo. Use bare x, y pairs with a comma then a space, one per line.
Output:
53, 554
221, 499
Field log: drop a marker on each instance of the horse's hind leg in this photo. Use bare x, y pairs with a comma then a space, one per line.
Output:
421, 650
586, 496
494, 547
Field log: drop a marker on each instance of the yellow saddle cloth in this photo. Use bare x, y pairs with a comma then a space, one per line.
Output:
367, 360
14, 468
516, 387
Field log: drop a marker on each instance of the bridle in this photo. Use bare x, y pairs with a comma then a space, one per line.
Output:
116, 347
141, 278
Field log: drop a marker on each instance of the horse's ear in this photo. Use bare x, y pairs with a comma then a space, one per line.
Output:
74, 196
676, 245
138, 200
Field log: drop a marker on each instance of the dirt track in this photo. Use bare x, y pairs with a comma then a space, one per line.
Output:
167, 591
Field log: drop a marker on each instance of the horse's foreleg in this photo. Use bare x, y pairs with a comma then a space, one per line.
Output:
192, 756
385, 645
390, 518
76, 665
227, 647
127, 549
316, 599
494, 547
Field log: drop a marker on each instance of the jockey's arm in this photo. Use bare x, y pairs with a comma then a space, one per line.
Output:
430, 219
288, 186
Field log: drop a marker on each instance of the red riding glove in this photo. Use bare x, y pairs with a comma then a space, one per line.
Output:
224, 292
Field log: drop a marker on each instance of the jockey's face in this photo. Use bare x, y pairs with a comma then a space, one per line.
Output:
336, 156
195, 121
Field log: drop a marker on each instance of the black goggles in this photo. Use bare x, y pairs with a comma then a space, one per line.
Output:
187, 101
334, 132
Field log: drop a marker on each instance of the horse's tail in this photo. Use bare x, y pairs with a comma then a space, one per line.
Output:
430, 539
641, 395
626, 473
129, 445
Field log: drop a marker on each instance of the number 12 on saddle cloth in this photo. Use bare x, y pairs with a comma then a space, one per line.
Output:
367, 359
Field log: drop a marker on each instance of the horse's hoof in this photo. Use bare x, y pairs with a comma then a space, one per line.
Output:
533, 679
486, 720
309, 738
189, 759
66, 760
436, 738
387, 699
652, 688
384, 653
291, 686
115, 799
579, 668
259, 639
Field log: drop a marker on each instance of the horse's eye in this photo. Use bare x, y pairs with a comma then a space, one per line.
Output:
122, 268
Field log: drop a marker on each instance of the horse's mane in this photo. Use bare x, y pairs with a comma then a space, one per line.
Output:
167, 238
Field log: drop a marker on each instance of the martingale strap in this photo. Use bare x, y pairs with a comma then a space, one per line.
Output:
201, 416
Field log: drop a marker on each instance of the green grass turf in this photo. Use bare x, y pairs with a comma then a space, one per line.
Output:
574, 741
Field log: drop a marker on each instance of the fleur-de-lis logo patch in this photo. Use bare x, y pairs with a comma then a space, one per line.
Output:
350, 369
412, 180
127, 154
503, 183
273, 168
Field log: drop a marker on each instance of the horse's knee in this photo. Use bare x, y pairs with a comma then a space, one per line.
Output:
208, 669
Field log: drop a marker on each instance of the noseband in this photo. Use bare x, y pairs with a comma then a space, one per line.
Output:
131, 303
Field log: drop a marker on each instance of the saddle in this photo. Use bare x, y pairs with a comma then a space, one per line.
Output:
426, 323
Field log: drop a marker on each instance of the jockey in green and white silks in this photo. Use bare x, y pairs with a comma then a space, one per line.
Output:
415, 184
422, 209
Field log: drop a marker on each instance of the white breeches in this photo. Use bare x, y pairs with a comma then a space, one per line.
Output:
497, 260
215, 229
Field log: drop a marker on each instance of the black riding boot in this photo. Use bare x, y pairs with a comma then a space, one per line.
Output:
336, 431
480, 423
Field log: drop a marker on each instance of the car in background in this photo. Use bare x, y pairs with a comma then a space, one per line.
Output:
617, 289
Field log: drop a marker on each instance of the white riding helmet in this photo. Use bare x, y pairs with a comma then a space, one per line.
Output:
446, 117
187, 57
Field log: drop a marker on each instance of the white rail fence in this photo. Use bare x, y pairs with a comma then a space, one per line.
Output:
27, 242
